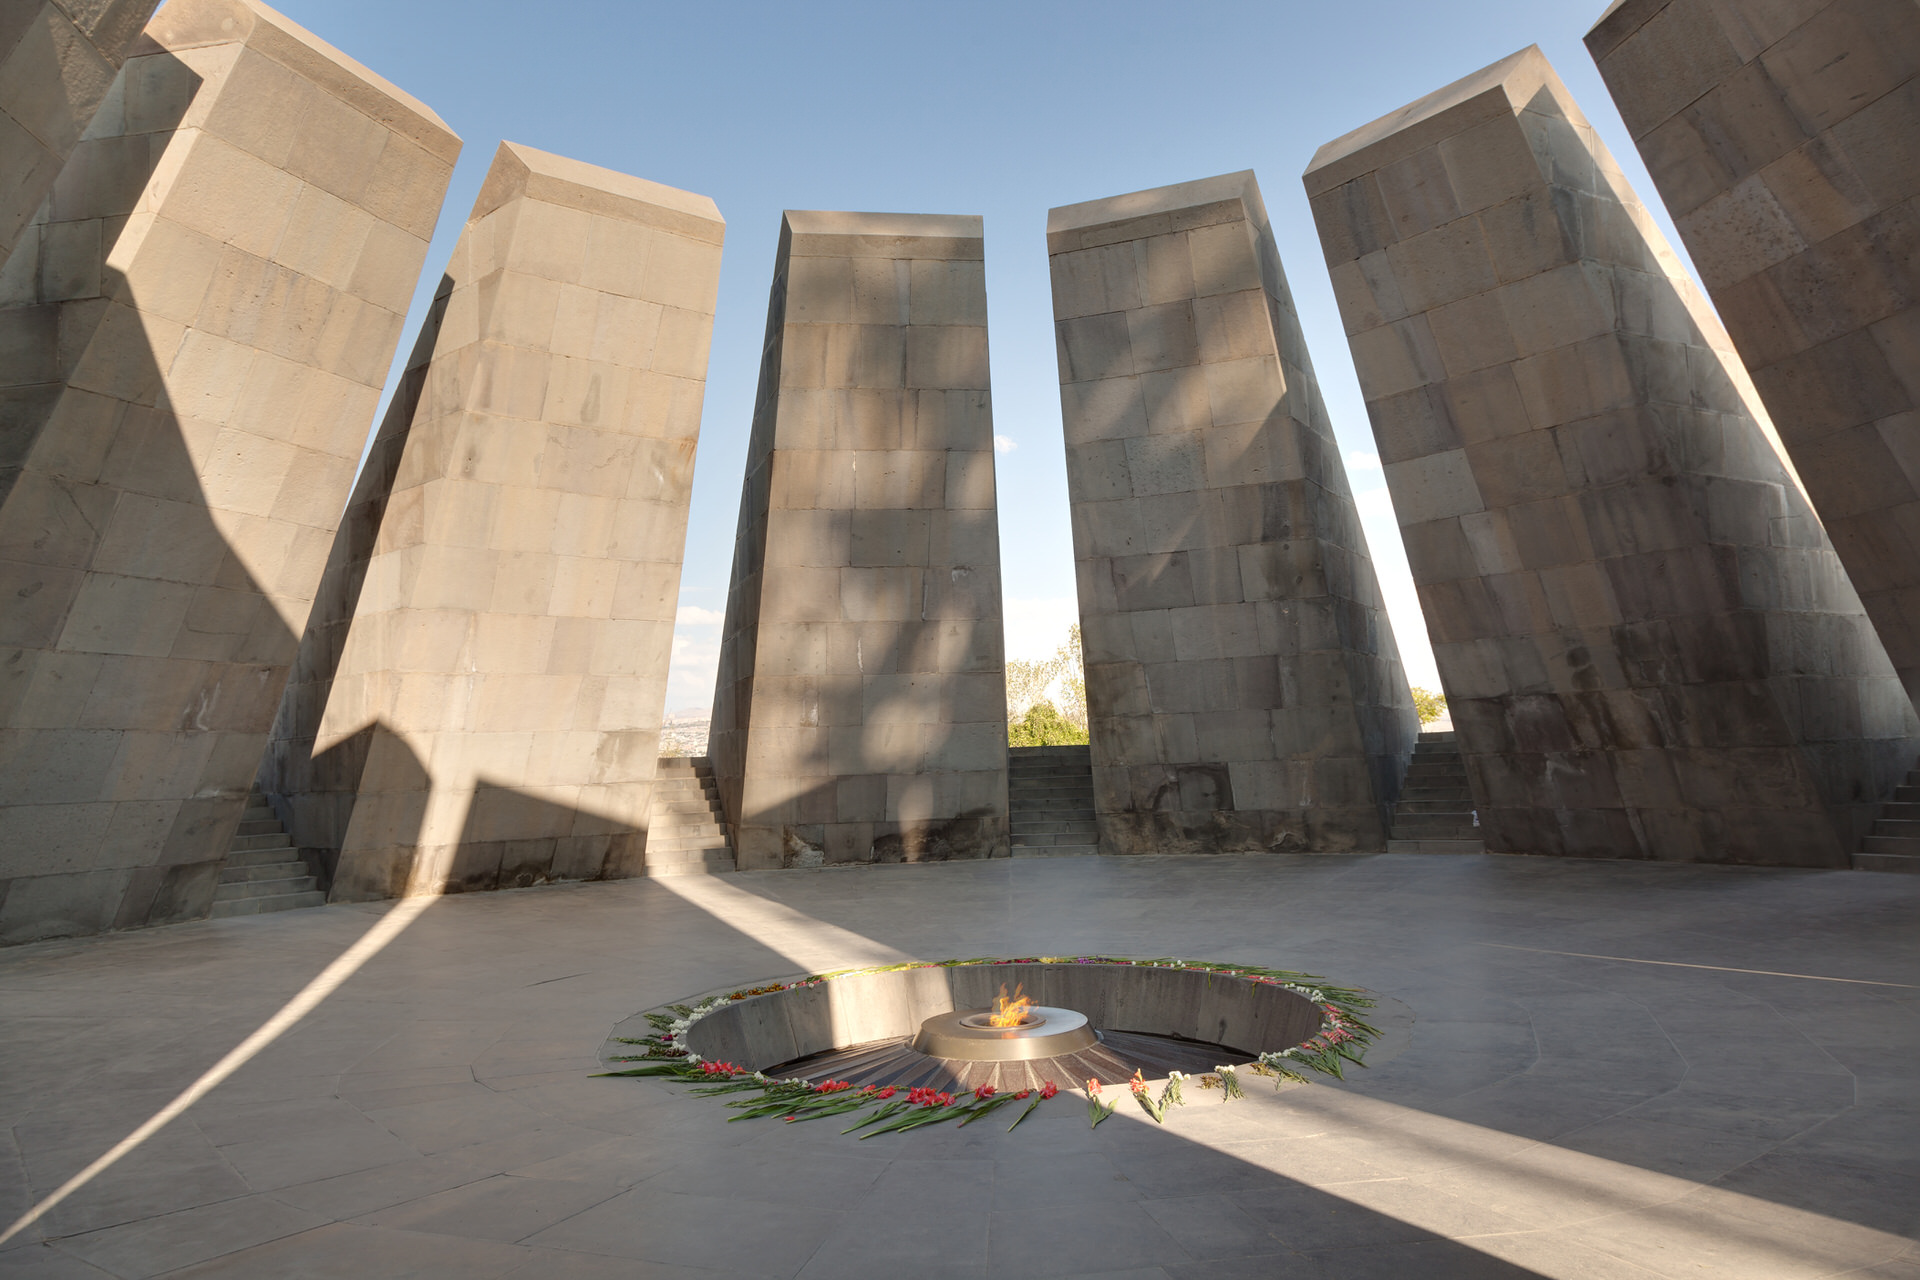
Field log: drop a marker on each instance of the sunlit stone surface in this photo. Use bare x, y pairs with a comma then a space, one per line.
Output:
58, 60
860, 714
1649, 648
1243, 687
1785, 140
197, 333
478, 702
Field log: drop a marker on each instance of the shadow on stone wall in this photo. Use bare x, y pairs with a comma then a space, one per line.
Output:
315, 793
139, 658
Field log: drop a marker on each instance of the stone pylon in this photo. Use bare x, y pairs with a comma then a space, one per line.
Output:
58, 59
860, 714
1243, 686
478, 701
1785, 141
1649, 647
198, 329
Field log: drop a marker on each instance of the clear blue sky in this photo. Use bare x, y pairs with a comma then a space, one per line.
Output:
999, 109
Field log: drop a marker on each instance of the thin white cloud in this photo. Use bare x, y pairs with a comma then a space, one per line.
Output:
692, 615
1362, 460
1005, 444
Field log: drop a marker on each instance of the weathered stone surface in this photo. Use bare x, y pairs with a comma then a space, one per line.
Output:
1243, 686
1785, 140
197, 330
58, 60
1649, 647
860, 714
499, 604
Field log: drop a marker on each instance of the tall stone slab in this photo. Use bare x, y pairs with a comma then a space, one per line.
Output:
1785, 140
860, 714
1649, 648
1243, 687
58, 59
478, 701
196, 335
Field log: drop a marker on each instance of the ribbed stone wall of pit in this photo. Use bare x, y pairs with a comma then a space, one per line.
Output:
781, 1026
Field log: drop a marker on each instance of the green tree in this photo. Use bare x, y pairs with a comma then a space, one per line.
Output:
1430, 705
1044, 726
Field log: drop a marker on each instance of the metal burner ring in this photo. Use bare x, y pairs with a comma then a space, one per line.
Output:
965, 1033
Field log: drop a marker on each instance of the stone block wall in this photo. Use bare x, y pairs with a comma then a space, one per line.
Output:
196, 333
58, 59
1243, 687
1785, 140
1649, 648
860, 714
499, 605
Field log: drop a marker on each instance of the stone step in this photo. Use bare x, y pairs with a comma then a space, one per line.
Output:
684, 829
261, 827
1435, 846
227, 891
1897, 827
680, 785
259, 813
1442, 804
256, 906
1019, 850
1904, 809
1437, 735
282, 852
677, 845
291, 869
1080, 778
696, 806
1889, 846
273, 839
689, 853
1437, 769
1433, 831
1029, 827
1903, 863
1053, 839
710, 862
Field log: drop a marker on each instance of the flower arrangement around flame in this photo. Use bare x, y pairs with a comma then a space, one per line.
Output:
1342, 1039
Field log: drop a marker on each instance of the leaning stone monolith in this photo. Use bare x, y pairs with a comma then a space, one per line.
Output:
860, 714
1243, 687
1649, 647
58, 60
1785, 141
499, 605
195, 345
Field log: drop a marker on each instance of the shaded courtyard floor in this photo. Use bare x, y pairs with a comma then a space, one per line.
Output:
1596, 1070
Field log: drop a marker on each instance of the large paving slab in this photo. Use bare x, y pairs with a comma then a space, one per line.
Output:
58, 60
1594, 1070
1649, 647
860, 709
478, 698
197, 329
1244, 690
1785, 141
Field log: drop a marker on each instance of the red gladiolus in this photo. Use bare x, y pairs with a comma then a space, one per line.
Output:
1022, 1094
1049, 1090
984, 1091
1093, 1088
888, 1092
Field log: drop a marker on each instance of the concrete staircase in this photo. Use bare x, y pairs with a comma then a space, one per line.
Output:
1894, 844
1435, 813
687, 833
1050, 802
263, 872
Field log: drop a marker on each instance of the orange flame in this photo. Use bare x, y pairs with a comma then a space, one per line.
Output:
1009, 1013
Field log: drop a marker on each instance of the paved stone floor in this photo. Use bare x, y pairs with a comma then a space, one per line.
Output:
1652, 1106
